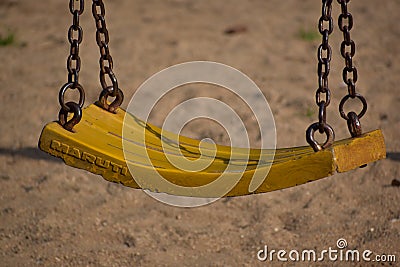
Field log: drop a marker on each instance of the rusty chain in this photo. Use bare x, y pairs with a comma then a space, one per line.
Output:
106, 61
75, 37
350, 75
323, 94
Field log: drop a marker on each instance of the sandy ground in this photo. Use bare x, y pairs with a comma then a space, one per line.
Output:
55, 215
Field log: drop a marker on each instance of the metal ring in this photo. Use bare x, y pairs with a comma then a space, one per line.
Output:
73, 86
327, 9
101, 24
63, 116
348, 70
73, 77
71, 58
113, 79
102, 32
327, 96
344, 100
349, 19
351, 88
73, 9
94, 9
321, 25
74, 50
119, 98
330, 137
322, 116
323, 82
106, 58
104, 49
328, 57
352, 46
348, 60
79, 30
324, 69
354, 124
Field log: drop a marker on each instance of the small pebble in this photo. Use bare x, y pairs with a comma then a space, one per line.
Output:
383, 117
236, 29
395, 183
4, 177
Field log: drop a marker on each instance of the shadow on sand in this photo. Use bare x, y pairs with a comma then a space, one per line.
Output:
30, 153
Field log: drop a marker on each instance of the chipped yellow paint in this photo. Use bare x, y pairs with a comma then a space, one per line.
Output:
96, 146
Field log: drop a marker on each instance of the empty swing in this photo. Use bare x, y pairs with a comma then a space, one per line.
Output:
91, 138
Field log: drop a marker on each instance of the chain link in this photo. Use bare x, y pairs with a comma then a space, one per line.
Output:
350, 74
106, 61
75, 38
323, 94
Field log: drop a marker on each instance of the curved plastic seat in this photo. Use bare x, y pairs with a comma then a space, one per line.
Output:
97, 146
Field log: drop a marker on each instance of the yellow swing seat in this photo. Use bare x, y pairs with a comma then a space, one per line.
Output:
96, 145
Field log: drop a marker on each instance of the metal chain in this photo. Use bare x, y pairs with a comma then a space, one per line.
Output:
106, 61
323, 94
76, 8
350, 75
